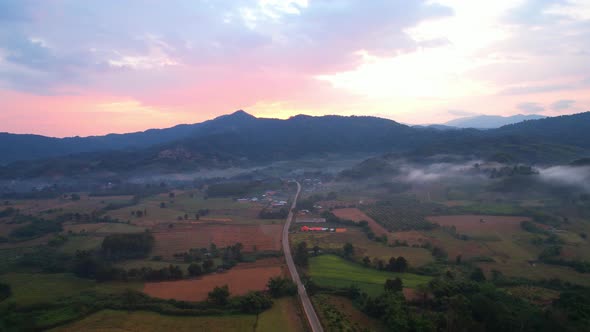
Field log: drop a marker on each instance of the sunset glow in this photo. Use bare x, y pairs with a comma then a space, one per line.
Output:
70, 68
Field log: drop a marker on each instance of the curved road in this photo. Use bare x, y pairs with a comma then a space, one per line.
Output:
312, 317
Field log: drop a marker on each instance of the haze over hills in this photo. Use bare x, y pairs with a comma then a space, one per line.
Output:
240, 139
491, 121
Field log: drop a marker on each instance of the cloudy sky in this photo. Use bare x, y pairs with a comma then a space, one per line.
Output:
70, 67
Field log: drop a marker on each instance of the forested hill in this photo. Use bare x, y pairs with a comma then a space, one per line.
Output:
240, 139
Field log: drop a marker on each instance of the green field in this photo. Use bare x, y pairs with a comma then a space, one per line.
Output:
141, 321
333, 271
283, 316
362, 246
75, 243
30, 288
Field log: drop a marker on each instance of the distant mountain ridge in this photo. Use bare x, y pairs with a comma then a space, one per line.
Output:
240, 139
491, 121
14, 147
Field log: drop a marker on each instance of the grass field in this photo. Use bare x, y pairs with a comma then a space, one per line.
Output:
339, 314
75, 243
333, 271
363, 246
30, 288
141, 321
283, 316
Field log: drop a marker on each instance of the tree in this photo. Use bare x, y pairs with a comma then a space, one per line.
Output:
5, 291
348, 250
366, 261
301, 254
279, 286
394, 285
255, 303
162, 205
316, 250
208, 264
195, 270
477, 275
458, 259
219, 295
401, 264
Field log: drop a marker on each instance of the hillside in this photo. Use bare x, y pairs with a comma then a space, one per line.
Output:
490, 121
239, 140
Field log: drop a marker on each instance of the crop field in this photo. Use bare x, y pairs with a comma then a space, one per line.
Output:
285, 315
103, 228
478, 224
333, 271
142, 321
252, 237
183, 203
75, 243
241, 279
357, 215
339, 314
398, 217
362, 246
30, 288
28, 243
139, 263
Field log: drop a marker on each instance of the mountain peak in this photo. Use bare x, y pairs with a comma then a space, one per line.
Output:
242, 114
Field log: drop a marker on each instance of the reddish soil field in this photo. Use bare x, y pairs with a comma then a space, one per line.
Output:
473, 223
185, 236
355, 214
241, 279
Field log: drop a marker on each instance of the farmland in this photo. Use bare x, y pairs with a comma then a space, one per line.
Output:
282, 316
241, 279
141, 321
183, 237
480, 224
357, 215
339, 313
333, 271
399, 215
363, 246
29, 288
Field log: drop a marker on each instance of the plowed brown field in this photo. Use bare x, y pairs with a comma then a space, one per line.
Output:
241, 279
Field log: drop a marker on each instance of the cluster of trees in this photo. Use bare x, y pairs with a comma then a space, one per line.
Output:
139, 213
232, 188
399, 264
129, 245
8, 212
301, 254
35, 228
270, 213
308, 203
45, 316
5, 291
454, 303
87, 264
279, 287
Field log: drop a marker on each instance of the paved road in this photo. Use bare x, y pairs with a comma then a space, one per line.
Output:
312, 317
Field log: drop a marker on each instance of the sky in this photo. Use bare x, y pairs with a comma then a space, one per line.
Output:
70, 67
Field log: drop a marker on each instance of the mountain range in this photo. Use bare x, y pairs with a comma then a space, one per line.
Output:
240, 139
490, 121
